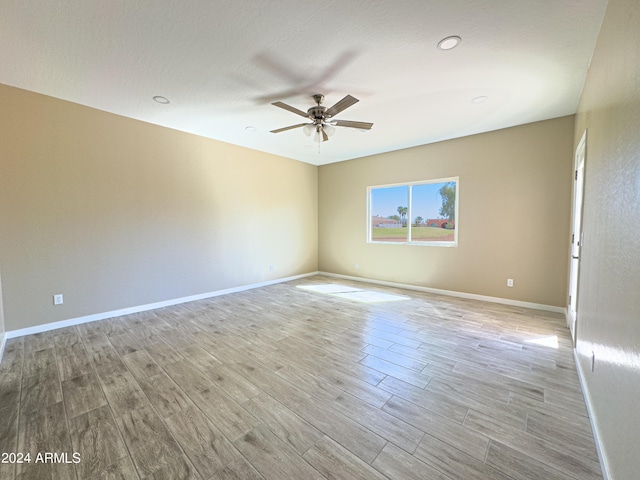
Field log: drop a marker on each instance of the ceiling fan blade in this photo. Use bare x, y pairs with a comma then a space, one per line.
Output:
325, 137
290, 108
349, 123
343, 104
289, 128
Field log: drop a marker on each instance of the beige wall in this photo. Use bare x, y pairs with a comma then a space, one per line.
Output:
2, 329
514, 194
609, 291
116, 213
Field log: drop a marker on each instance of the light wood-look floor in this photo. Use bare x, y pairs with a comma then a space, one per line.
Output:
281, 383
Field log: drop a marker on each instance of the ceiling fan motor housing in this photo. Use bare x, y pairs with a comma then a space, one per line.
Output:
317, 113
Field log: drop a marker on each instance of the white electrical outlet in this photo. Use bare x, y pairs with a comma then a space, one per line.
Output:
271, 268
357, 266
509, 282
58, 299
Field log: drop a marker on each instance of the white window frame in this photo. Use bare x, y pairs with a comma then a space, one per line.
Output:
409, 185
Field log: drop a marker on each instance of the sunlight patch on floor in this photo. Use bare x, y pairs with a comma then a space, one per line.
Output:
551, 341
354, 294
329, 288
368, 296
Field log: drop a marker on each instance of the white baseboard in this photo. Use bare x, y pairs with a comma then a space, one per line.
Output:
167, 303
451, 293
143, 308
604, 464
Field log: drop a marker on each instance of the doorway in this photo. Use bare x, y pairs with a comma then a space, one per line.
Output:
577, 238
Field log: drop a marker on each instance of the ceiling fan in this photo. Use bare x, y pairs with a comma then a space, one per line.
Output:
322, 121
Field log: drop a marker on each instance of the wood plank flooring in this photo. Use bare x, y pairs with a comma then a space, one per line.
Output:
283, 383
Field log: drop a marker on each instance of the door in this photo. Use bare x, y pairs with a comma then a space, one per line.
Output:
576, 234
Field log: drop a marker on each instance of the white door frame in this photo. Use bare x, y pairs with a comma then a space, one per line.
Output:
577, 237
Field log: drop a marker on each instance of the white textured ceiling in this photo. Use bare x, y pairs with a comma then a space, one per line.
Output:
221, 63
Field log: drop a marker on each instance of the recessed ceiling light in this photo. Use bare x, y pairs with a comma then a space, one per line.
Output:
479, 99
161, 100
250, 128
449, 42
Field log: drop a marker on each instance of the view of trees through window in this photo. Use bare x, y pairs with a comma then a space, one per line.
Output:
422, 213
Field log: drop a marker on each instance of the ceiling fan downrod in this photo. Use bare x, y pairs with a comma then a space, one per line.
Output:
317, 112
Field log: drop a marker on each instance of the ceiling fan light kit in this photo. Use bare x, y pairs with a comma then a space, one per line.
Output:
321, 117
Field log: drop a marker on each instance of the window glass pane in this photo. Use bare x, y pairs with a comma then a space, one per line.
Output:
389, 210
433, 207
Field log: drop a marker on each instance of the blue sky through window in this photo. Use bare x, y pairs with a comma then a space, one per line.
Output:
385, 201
426, 200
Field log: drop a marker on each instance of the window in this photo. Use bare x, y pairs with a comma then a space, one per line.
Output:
417, 213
